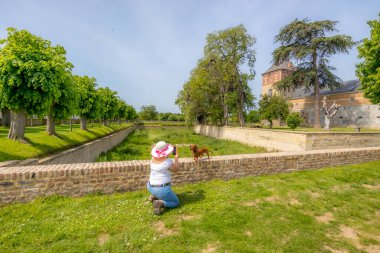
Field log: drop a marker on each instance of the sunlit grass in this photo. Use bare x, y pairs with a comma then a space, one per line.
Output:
276, 213
137, 145
39, 143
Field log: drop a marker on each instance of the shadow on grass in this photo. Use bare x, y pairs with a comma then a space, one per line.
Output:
189, 197
8, 156
66, 139
44, 148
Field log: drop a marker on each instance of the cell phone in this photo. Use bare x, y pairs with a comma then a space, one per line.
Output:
174, 152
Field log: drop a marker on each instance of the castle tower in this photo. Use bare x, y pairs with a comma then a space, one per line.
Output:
274, 74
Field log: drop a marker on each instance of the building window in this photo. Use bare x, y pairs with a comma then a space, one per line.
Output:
352, 100
270, 92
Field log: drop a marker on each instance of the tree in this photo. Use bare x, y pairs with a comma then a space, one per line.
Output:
131, 113
31, 70
122, 112
109, 101
217, 89
306, 42
253, 116
272, 108
230, 50
88, 107
64, 105
200, 99
148, 112
293, 120
368, 71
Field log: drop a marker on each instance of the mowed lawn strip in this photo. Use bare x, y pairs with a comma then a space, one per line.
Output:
309, 211
41, 144
138, 144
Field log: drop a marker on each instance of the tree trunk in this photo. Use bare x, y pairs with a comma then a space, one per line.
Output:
224, 104
241, 106
6, 117
317, 122
270, 123
50, 125
71, 124
105, 123
327, 123
119, 121
83, 124
17, 126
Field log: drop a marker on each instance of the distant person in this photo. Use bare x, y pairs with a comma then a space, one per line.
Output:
159, 185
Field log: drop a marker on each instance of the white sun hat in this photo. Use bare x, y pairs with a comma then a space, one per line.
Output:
161, 149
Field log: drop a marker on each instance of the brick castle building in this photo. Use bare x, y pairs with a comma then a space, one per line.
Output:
355, 109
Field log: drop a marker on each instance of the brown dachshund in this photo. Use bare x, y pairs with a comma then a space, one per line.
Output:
198, 152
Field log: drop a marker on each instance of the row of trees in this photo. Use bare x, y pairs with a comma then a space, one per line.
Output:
218, 90
149, 112
37, 79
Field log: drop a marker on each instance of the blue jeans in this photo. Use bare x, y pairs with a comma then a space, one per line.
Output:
165, 194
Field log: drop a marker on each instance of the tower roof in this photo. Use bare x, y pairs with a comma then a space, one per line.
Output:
287, 65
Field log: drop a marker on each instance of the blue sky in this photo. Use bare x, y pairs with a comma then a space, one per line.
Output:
145, 50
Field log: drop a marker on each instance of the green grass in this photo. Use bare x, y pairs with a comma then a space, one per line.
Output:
137, 145
276, 213
40, 144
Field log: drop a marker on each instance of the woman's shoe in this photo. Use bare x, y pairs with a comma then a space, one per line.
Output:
158, 207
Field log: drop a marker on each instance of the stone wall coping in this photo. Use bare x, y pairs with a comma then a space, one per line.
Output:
107, 167
296, 132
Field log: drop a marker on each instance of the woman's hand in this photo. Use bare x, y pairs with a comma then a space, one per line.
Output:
175, 165
176, 152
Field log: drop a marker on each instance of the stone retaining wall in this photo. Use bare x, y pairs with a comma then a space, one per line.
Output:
20, 184
291, 140
87, 152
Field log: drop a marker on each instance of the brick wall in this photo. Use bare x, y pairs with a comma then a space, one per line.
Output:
20, 184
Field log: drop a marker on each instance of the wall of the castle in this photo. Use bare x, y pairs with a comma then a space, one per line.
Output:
354, 109
268, 79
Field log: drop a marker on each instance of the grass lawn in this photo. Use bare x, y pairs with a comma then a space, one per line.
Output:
137, 145
309, 211
41, 144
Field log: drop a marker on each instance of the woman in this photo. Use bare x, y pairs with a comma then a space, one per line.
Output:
159, 184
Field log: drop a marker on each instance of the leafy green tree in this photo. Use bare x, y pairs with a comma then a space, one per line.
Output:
200, 98
231, 52
217, 89
368, 71
253, 116
64, 106
306, 42
131, 113
148, 112
31, 72
273, 108
162, 116
109, 102
88, 107
122, 112
293, 120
